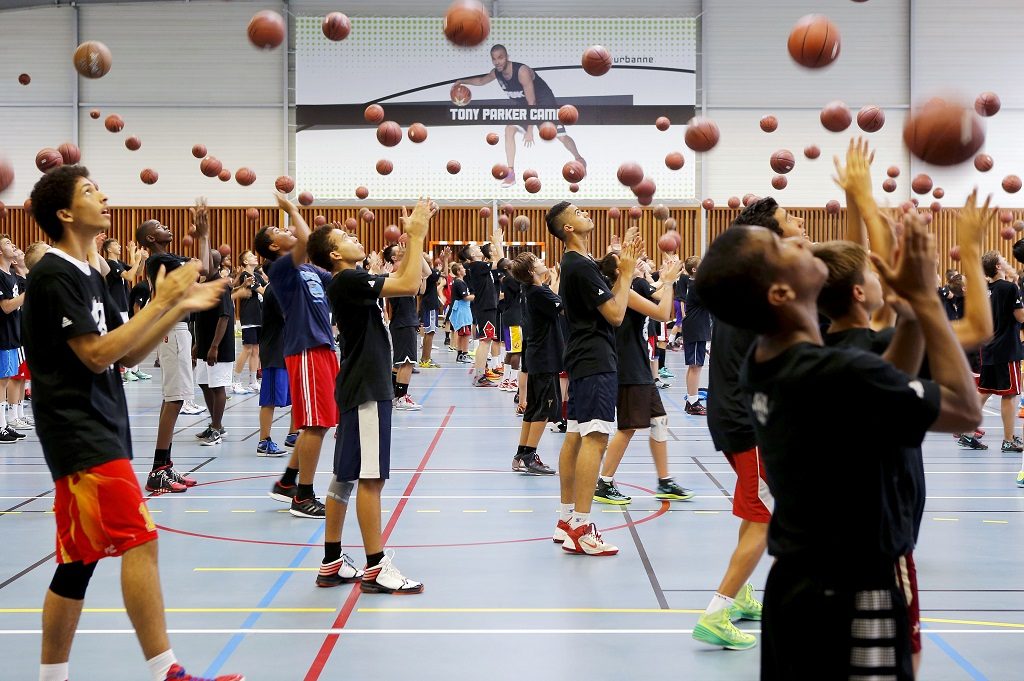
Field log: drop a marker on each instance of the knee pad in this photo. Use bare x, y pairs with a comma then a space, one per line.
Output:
659, 429
70, 580
340, 491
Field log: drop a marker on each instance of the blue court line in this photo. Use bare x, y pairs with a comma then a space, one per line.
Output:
956, 657
668, 398
265, 602
426, 395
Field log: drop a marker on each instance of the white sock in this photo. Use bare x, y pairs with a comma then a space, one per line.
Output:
718, 602
579, 519
515, 375
3, 415
159, 665
607, 479
21, 410
564, 512
692, 399
236, 377
54, 672
252, 376
507, 371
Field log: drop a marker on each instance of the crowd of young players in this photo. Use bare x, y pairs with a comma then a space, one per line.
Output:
578, 344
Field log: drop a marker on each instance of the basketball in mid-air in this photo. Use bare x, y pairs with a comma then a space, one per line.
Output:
466, 23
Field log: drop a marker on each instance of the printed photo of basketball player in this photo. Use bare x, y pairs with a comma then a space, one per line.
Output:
520, 82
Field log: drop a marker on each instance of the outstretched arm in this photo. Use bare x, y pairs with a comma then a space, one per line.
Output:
483, 79
299, 227
976, 327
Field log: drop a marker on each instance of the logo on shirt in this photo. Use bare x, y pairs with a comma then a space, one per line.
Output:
918, 388
759, 404
371, 282
313, 283
600, 292
65, 323
98, 316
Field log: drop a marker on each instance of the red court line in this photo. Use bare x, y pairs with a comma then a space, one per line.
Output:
320, 661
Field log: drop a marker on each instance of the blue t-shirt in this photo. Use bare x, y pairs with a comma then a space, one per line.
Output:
301, 292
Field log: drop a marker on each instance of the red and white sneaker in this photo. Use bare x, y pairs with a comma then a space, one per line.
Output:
514, 384
506, 385
384, 578
160, 482
178, 673
586, 540
561, 532
180, 478
405, 403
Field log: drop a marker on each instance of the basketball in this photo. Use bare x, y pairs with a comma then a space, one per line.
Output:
94, 114
113, 123
492, 138
461, 95
319, 221
832, 207
836, 117
528, 173
384, 167
780, 182
661, 212
769, 123
667, 243
662, 123
644, 187
701, 134
782, 161
532, 184
935, 207
485, 212
224, 250
508, 209
133, 143
708, 204
573, 187
392, 234
921, 184
749, 199
630, 173
568, 114
284, 184
503, 221
70, 153
92, 59
983, 162
28, 205
417, 132
521, 222
1011, 184
48, 158
871, 118
636, 212
466, 23
889, 185
187, 241
373, 113
573, 171
548, 131
734, 202
1007, 232
336, 26
24, 79
306, 198
670, 224
645, 200
245, 176
224, 175
149, 176
499, 171
453, 167
362, 192
351, 224
614, 213
814, 41
893, 172
389, 133
812, 152
266, 29
943, 133
199, 151
596, 61
939, 193
368, 216
954, 253
1006, 216
674, 160
252, 214
987, 104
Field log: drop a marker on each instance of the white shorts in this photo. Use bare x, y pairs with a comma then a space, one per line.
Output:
216, 376
175, 355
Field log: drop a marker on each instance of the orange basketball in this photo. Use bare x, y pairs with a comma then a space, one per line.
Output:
630, 174
336, 26
734, 202
1011, 184
94, 114
662, 123
224, 250
133, 143
921, 184
319, 221
373, 113
987, 104
114, 123
528, 173
597, 60
636, 212
24, 79
70, 153
983, 162
245, 176
661, 212
499, 171
92, 59
769, 124
871, 118
6, 173
573, 171
48, 158
893, 171
573, 187
644, 187
224, 175
667, 243
780, 182
199, 150
701, 134
492, 138
461, 95
485, 212
814, 41
306, 198
832, 207
889, 185
532, 185
362, 192
521, 222
384, 167
453, 167
210, 166
266, 29
835, 116
782, 161
812, 151
466, 23
548, 131
392, 234
568, 114
614, 213
252, 214
708, 204
503, 221
943, 133
149, 176
284, 184
351, 224
939, 192
417, 132
389, 133
675, 160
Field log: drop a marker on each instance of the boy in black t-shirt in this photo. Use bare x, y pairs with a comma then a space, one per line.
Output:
510, 314
460, 317
274, 391
485, 307
214, 355
12, 296
592, 310
834, 570
403, 326
1000, 363
75, 337
250, 315
430, 306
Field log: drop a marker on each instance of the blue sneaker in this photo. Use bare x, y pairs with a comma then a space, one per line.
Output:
268, 448
663, 372
289, 441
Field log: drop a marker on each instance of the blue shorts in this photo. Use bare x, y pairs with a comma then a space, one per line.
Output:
591, 407
274, 388
363, 447
10, 360
695, 353
428, 320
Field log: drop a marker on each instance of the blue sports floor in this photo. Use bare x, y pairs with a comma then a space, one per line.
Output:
501, 600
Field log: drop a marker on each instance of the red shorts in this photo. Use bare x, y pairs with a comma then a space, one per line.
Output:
23, 374
751, 501
311, 377
100, 512
906, 581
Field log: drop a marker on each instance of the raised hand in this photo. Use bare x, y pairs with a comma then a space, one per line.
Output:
201, 296
671, 270
855, 178
133, 253
631, 250
974, 221
415, 225
913, 276
632, 233
200, 217
284, 204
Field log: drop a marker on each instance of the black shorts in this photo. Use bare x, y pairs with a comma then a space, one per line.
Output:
486, 323
363, 447
1000, 379
591, 406
251, 335
403, 343
543, 401
694, 354
637, 405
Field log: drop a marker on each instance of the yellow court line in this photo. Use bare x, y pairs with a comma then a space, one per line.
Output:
951, 520
36, 611
979, 623
10, 512
195, 511
255, 569
520, 510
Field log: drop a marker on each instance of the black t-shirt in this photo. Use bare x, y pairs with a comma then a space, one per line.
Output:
139, 296
117, 285
272, 332
206, 327
870, 515
591, 346
459, 290
482, 284
170, 261
544, 342
680, 288
631, 344
250, 310
403, 312
365, 374
954, 304
732, 429
10, 322
430, 301
1004, 346
510, 306
868, 340
81, 416
697, 322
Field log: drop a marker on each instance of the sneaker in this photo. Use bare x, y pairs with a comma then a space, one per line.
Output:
254, 388
213, 437
586, 540
537, 467
268, 448
283, 493
206, 433
718, 630
190, 408
338, 572
518, 465
1011, 446
493, 375
607, 493
308, 508
178, 673
464, 358
509, 180
506, 385
239, 389
562, 530
142, 375
290, 439
971, 442
514, 382
661, 385
17, 434
8, 436
28, 420
20, 424
1020, 479
663, 372
129, 376
180, 479
695, 409
384, 578
670, 490
482, 381
406, 403
160, 482
430, 364
745, 606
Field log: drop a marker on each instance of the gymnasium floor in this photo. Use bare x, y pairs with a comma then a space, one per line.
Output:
501, 601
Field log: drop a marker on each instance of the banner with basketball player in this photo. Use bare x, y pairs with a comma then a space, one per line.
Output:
493, 107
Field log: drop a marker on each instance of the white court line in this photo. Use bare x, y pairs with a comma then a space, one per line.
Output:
275, 473
197, 496
450, 632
